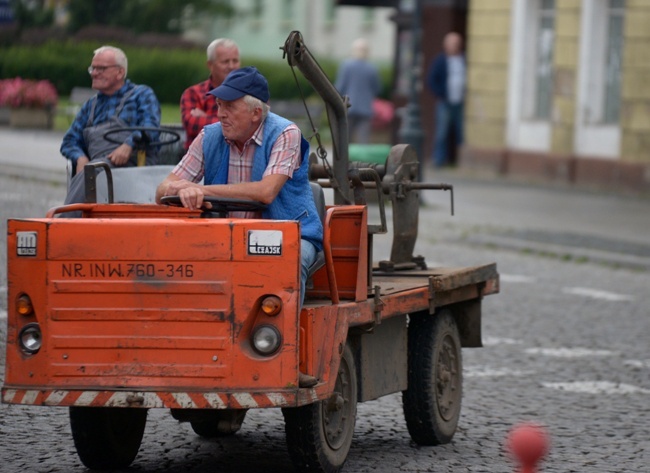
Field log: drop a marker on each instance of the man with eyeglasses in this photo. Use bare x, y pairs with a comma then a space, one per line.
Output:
119, 103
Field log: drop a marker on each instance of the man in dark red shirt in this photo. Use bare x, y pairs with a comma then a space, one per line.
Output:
198, 108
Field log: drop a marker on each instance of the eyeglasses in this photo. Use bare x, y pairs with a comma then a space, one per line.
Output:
100, 69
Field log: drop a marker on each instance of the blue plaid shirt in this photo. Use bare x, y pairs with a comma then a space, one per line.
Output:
141, 109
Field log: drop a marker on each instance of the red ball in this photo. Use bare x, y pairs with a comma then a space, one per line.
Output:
528, 443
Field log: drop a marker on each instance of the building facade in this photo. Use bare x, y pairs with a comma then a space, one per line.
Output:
559, 90
260, 27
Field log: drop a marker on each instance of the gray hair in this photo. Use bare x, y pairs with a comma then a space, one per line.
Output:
360, 49
254, 102
219, 43
120, 57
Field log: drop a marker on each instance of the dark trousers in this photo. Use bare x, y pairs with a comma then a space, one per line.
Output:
449, 122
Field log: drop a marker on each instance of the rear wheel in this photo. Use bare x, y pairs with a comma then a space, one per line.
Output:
433, 398
319, 435
217, 423
107, 438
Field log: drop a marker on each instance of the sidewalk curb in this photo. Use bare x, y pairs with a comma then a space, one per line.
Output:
565, 252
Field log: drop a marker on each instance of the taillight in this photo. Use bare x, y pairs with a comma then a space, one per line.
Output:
24, 305
271, 305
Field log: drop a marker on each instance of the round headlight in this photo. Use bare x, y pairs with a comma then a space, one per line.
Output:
266, 339
30, 338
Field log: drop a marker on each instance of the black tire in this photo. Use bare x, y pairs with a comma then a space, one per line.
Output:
107, 438
319, 435
435, 378
219, 423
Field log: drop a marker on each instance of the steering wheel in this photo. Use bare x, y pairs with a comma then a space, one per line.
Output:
221, 206
174, 136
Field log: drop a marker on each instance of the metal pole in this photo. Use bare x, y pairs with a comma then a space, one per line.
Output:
410, 131
298, 55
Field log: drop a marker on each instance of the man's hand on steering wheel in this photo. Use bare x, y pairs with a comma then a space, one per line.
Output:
120, 155
192, 197
175, 188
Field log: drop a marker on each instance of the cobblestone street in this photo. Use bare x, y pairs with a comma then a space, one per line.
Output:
571, 360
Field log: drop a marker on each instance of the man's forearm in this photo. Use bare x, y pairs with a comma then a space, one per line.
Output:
161, 190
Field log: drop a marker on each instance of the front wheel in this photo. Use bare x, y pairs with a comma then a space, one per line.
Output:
319, 435
435, 378
107, 438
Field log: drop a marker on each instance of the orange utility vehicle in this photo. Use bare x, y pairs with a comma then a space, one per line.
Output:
142, 306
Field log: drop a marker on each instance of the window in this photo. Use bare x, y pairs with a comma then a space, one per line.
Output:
330, 10
531, 75
258, 9
287, 10
613, 60
597, 131
368, 15
543, 76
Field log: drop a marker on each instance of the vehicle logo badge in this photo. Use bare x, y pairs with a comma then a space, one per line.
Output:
265, 242
26, 243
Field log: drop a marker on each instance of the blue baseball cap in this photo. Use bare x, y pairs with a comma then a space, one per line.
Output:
240, 82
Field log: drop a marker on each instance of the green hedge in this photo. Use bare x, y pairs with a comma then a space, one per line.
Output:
168, 72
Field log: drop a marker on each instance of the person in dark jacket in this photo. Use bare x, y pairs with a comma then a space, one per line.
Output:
446, 79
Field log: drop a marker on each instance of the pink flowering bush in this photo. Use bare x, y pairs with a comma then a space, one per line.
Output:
18, 93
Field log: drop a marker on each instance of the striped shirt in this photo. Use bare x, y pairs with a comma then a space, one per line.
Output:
284, 159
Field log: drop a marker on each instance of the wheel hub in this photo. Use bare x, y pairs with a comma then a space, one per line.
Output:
447, 379
336, 411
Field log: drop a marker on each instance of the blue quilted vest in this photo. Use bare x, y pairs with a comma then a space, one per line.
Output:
294, 201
